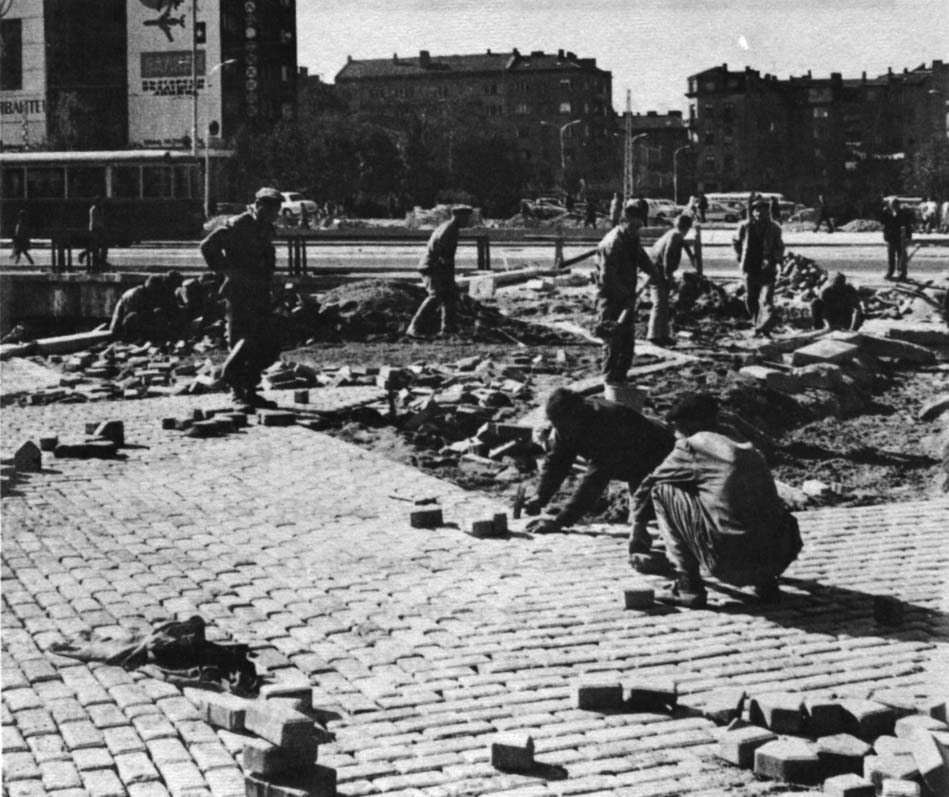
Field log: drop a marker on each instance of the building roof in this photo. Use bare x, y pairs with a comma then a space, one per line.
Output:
425, 64
656, 121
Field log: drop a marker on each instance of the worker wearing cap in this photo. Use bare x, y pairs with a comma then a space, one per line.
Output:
139, 313
437, 268
618, 260
242, 250
897, 231
717, 508
760, 248
666, 255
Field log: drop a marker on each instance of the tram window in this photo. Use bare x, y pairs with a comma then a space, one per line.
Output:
183, 182
126, 182
13, 184
156, 182
86, 181
45, 182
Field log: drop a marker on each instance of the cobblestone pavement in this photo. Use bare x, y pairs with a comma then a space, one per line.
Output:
424, 642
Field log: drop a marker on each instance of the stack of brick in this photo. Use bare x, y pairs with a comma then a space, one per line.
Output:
217, 422
277, 739
853, 745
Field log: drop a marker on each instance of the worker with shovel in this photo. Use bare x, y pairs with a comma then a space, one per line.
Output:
438, 274
618, 260
243, 251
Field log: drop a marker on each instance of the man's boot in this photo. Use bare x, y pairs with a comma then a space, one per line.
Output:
686, 591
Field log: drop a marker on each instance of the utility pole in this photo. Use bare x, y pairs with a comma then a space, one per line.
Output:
628, 150
194, 77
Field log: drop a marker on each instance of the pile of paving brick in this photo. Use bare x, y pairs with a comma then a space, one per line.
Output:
275, 737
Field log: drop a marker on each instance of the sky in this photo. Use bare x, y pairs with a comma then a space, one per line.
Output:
650, 46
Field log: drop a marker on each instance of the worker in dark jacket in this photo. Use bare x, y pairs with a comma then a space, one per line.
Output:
616, 441
838, 306
759, 247
897, 231
717, 508
139, 315
618, 259
243, 251
438, 273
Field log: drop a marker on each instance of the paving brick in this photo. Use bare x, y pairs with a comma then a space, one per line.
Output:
12, 742
321, 782
268, 759
651, 693
738, 746
931, 760
906, 727
26, 788
897, 767
226, 782
595, 695
842, 753
151, 788
181, 777
78, 735
19, 766
123, 739
849, 785
135, 768
780, 712
512, 752
899, 788
279, 726
892, 745
167, 751
48, 747
867, 718
60, 775
788, 760
92, 758
102, 783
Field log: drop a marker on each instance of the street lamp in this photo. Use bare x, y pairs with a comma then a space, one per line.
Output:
563, 129
675, 171
632, 163
207, 143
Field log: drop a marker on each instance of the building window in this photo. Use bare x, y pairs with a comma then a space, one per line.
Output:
729, 163
710, 163
11, 54
86, 181
13, 185
442, 91
732, 83
491, 88
708, 111
45, 183
709, 137
565, 107
126, 182
728, 111
521, 108
285, 73
820, 113
709, 85
156, 182
565, 83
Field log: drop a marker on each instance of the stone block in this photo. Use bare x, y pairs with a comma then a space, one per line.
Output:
111, 430
652, 694
824, 716
781, 712
169, 423
849, 785
512, 752
28, 458
514, 431
300, 691
897, 349
824, 351
888, 610
842, 753
208, 428
891, 745
276, 418
482, 287
594, 695
283, 727
301, 396
900, 788
867, 718
426, 518
903, 701
877, 768
788, 760
220, 709
638, 598
722, 706
819, 376
87, 449
500, 524
265, 758
48, 441
905, 727
318, 782
738, 745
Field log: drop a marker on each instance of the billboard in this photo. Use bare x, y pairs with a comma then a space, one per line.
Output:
161, 77
23, 78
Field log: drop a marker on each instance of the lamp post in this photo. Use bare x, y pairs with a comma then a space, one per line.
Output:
207, 144
675, 171
632, 163
563, 129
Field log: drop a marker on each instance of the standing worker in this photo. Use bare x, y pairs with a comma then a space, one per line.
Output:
589, 217
98, 252
760, 249
897, 230
243, 251
438, 273
643, 206
666, 255
618, 258
823, 214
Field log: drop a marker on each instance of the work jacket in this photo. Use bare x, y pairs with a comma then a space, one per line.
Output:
772, 245
243, 249
439, 257
619, 256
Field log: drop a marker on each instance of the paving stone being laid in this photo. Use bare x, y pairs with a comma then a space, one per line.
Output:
512, 752
842, 753
738, 746
788, 760
849, 785
780, 712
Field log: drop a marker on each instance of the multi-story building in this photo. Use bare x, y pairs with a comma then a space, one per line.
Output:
806, 136
661, 152
555, 106
107, 74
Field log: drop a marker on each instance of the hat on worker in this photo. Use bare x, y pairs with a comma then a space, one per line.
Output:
459, 210
268, 195
758, 201
631, 208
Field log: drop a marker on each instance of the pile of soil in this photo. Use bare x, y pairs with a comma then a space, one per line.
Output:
382, 309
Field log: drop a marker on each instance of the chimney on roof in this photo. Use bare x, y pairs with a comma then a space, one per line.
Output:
516, 53
937, 65
489, 51
303, 72
808, 74
905, 71
424, 59
571, 56
395, 56
724, 67
349, 59
560, 55
889, 71
651, 113
675, 114
864, 76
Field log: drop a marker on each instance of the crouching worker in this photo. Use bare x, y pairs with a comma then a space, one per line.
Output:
838, 307
138, 315
617, 442
717, 508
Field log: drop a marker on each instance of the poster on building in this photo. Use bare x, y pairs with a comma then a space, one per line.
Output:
22, 77
163, 37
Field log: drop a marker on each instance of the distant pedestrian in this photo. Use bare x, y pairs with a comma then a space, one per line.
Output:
944, 218
775, 210
243, 251
760, 249
98, 252
929, 214
568, 201
589, 216
703, 206
823, 215
438, 274
666, 255
616, 209
897, 231
21, 239
643, 206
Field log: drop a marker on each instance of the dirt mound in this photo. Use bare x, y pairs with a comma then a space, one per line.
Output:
862, 225
377, 309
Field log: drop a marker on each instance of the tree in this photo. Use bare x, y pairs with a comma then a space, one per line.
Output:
926, 172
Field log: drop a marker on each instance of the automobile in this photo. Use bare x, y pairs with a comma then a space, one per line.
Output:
544, 207
664, 211
294, 203
719, 212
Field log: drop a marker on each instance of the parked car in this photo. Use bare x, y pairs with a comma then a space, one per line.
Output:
719, 212
664, 211
294, 203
